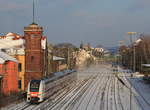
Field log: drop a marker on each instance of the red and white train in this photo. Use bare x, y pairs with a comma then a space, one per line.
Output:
38, 90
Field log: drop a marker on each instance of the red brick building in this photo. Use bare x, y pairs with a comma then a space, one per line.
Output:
35, 53
8, 73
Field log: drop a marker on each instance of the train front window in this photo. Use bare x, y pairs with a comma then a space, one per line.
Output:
34, 85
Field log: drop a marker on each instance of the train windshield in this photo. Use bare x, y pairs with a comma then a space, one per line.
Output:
34, 85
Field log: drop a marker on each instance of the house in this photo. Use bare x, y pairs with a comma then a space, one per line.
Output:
13, 45
8, 73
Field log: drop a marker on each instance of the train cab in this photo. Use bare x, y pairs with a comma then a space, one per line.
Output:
34, 92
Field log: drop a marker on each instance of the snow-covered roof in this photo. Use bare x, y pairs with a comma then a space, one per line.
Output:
55, 58
148, 65
10, 43
137, 41
4, 57
11, 40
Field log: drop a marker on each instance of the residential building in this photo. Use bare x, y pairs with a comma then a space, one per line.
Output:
13, 45
8, 73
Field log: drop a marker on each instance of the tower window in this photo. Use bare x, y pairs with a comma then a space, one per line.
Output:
32, 58
19, 84
19, 67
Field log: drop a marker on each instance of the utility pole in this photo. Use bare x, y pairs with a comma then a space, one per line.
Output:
68, 59
121, 43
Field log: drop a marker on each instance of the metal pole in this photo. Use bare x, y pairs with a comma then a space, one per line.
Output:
134, 66
132, 62
131, 73
130, 97
68, 59
131, 51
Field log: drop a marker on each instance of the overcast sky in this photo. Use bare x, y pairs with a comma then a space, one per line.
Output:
102, 22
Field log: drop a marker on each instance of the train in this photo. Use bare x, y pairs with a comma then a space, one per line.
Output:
39, 90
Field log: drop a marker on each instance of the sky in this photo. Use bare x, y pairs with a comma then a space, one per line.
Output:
104, 22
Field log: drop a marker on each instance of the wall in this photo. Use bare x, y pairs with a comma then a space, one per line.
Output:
21, 74
10, 77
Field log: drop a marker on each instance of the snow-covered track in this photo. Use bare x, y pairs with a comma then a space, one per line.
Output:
68, 100
119, 97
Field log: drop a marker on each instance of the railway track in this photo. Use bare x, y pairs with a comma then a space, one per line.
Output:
88, 92
53, 102
103, 103
78, 96
119, 97
99, 93
79, 91
108, 96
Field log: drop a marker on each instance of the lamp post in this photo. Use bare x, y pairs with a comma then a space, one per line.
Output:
133, 49
132, 60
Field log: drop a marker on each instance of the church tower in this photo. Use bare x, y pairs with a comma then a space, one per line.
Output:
35, 53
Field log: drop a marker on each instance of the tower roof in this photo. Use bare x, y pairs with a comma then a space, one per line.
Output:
33, 27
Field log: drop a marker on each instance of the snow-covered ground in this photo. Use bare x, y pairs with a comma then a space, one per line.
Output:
141, 86
97, 88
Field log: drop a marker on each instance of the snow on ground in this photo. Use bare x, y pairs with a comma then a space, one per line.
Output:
142, 88
96, 88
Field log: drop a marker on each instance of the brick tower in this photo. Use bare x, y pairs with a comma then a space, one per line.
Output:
35, 55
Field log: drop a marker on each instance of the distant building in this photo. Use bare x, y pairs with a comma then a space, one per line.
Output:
8, 74
107, 53
59, 64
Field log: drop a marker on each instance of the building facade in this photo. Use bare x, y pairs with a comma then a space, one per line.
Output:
9, 74
13, 45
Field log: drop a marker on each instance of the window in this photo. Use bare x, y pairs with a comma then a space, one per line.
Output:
19, 67
19, 84
34, 85
32, 58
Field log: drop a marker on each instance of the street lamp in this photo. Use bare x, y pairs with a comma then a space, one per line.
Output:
132, 57
133, 48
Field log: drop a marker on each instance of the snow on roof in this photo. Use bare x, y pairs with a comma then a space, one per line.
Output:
4, 43
4, 57
55, 58
60, 73
1, 76
138, 41
148, 65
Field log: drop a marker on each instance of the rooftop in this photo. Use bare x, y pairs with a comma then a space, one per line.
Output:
55, 58
4, 57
